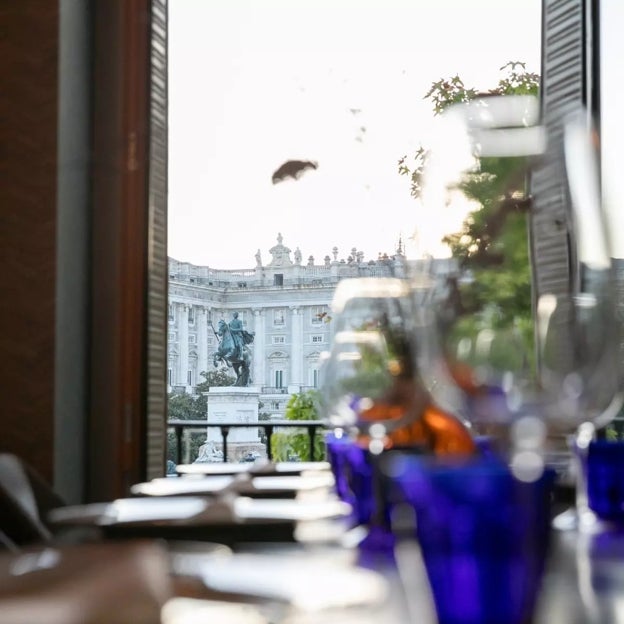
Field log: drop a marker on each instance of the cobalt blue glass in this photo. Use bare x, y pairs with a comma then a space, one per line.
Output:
352, 474
605, 479
485, 446
484, 537
359, 483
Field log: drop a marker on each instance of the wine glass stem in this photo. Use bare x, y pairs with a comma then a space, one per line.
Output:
580, 470
580, 450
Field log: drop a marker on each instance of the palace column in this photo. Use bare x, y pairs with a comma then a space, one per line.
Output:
296, 348
259, 359
183, 347
202, 342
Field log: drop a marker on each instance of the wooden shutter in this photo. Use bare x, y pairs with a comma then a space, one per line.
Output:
563, 89
157, 247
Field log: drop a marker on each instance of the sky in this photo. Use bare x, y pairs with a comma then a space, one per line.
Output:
254, 83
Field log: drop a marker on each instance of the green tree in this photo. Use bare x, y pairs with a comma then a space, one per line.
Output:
184, 407
303, 406
215, 378
288, 446
516, 80
495, 233
194, 407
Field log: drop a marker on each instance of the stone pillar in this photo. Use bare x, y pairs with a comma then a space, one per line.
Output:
202, 342
259, 360
183, 345
296, 374
232, 404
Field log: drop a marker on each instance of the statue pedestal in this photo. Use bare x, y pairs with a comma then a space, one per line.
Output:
233, 404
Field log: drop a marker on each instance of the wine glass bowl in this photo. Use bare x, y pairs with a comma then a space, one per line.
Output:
367, 377
374, 399
376, 380
366, 391
517, 342
477, 255
579, 329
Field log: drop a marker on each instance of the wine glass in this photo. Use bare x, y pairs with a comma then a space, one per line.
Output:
473, 233
367, 376
529, 347
366, 390
578, 329
373, 393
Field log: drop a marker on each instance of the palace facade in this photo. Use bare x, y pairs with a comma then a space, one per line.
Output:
285, 301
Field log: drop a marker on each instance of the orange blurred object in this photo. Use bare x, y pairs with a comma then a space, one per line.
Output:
438, 431
409, 408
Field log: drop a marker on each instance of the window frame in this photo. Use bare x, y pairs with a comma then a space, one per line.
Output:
315, 315
279, 317
126, 437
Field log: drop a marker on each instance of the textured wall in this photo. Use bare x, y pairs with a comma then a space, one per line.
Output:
28, 136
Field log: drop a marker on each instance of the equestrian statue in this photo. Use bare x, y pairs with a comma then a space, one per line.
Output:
233, 350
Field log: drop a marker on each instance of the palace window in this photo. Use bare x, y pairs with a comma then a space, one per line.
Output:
314, 377
317, 338
278, 317
279, 378
318, 314
279, 339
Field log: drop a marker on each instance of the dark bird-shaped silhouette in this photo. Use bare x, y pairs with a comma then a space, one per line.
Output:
292, 169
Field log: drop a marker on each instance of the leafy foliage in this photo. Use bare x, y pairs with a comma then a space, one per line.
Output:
215, 378
495, 233
303, 406
185, 407
296, 446
447, 91
518, 81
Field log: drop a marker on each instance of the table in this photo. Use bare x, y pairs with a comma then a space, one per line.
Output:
583, 584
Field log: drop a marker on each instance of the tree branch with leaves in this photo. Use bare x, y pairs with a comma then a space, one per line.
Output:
494, 234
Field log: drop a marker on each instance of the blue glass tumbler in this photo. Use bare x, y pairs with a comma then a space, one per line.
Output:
483, 534
359, 482
604, 466
352, 474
